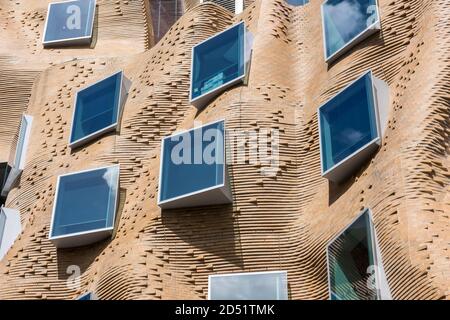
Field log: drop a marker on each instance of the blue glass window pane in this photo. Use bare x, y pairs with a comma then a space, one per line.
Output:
351, 257
218, 61
97, 107
86, 201
297, 2
251, 286
191, 163
69, 20
86, 296
348, 122
345, 19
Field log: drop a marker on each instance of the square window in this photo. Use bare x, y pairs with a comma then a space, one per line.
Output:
347, 22
10, 229
349, 128
193, 169
248, 286
20, 154
69, 23
85, 207
355, 269
97, 109
218, 63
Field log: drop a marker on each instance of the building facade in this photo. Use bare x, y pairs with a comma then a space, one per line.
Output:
330, 149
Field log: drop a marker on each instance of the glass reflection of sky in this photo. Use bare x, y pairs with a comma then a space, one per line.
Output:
347, 122
198, 172
345, 19
86, 201
61, 17
251, 286
350, 257
97, 107
219, 60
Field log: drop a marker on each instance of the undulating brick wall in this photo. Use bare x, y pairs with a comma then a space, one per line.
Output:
280, 222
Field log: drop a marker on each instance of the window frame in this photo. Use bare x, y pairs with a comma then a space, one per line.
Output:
376, 257
110, 128
367, 32
76, 235
201, 100
12, 228
374, 142
17, 168
283, 272
224, 183
68, 41
28, 121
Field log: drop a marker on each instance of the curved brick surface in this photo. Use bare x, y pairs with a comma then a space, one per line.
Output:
275, 223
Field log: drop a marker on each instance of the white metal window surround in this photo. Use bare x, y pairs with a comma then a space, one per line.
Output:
20, 155
344, 168
10, 228
379, 281
268, 285
235, 6
216, 192
88, 102
69, 22
94, 194
244, 57
373, 25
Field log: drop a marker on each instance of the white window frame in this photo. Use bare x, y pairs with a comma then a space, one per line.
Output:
367, 32
26, 121
17, 167
202, 100
68, 41
344, 168
82, 238
211, 276
11, 229
383, 292
238, 5
218, 194
114, 126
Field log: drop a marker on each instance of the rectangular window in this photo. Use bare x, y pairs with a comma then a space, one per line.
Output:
10, 228
193, 169
85, 207
97, 109
248, 286
346, 22
164, 14
349, 128
69, 23
218, 63
355, 270
19, 156
22, 142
